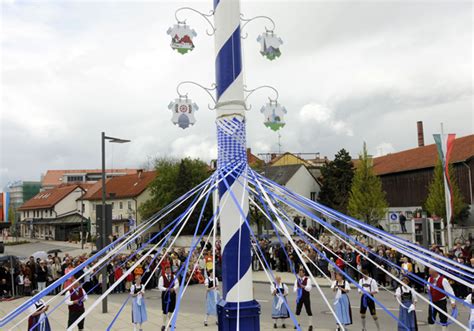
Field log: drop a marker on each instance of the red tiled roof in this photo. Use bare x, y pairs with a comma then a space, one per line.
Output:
48, 198
126, 186
422, 157
252, 159
54, 177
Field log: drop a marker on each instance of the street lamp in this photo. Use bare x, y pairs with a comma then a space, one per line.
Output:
105, 235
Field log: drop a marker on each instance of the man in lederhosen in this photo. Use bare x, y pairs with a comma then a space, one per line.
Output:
370, 286
168, 286
302, 288
75, 298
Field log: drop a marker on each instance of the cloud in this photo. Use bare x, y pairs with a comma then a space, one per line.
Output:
384, 148
349, 72
324, 117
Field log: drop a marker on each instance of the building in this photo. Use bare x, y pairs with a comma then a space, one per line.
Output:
125, 193
54, 214
406, 175
4, 206
312, 161
55, 178
22, 191
297, 178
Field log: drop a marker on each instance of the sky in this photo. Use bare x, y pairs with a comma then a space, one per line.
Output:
350, 71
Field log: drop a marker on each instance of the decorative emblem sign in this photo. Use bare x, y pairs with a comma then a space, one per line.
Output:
273, 113
270, 45
182, 37
183, 112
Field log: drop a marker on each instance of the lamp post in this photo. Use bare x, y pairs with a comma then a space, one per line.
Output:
105, 235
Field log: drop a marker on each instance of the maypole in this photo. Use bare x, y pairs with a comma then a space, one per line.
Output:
238, 310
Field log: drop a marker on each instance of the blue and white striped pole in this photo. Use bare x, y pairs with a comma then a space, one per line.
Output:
237, 310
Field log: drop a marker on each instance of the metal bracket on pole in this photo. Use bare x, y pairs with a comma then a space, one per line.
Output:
250, 92
248, 20
205, 16
208, 90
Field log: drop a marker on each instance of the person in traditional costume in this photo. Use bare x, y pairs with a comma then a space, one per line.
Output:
168, 284
370, 286
439, 299
406, 297
212, 294
470, 300
137, 291
38, 321
302, 288
75, 298
342, 305
279, 307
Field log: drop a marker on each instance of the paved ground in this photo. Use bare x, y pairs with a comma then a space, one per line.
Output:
192, 312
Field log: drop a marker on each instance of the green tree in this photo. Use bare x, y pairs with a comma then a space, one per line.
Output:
367, 198
436, 203
336, 179
175, 178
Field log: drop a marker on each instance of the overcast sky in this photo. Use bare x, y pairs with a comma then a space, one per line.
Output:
349, 72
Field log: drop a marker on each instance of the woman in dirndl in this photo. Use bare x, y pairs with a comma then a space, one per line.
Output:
342, 304
137, 291
406, 297
38, 321
279, 308
212, 294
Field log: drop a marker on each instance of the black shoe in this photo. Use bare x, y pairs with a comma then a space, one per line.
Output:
310, 328
205, 323
163, 328
283, 326
275, 326
296, 327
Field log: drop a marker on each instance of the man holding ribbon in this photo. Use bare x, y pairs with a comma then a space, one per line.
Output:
168, 284
302, 288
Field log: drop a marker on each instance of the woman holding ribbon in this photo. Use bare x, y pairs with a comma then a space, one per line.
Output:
279, 307
139, 316
212, 294
38, 321
342, 304
406, 297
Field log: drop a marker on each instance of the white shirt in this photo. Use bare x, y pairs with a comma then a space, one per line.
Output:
373, 287
405, 289
446, 286
308, 286
68, 300
282, 285
162, 288
216, 282
347, 286
36, 306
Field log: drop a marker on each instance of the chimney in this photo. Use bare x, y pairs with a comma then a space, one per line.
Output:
272, 156
140, 173
421, 136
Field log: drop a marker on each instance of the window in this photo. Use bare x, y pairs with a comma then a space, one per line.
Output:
120, 205
313, 196
116, 229
112, 205
74, 178
51, 212
129, 204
